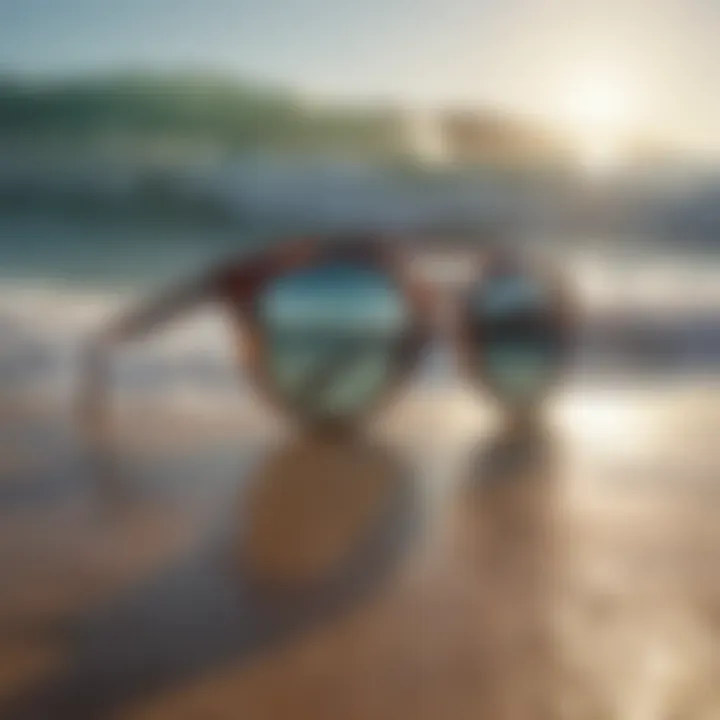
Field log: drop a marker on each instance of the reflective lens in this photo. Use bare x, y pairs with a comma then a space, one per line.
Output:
332, 336
517, 335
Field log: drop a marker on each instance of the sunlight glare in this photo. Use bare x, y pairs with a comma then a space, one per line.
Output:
596, 113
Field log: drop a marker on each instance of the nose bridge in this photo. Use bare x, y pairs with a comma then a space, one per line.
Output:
447, 275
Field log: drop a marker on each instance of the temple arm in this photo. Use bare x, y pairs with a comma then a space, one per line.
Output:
94, 380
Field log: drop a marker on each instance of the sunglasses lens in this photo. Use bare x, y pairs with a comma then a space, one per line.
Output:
333, 334
517, 335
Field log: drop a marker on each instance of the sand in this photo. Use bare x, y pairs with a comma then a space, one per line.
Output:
219, 566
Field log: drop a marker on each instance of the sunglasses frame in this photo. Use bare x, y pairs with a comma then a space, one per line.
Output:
239, 284
241, 287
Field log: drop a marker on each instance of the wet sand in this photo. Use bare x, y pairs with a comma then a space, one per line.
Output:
440, 568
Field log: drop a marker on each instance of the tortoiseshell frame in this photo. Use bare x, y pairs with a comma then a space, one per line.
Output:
239, 284
242, 286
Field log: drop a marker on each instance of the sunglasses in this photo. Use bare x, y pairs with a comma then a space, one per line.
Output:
331, 328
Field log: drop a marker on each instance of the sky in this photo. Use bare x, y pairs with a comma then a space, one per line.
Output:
645, 66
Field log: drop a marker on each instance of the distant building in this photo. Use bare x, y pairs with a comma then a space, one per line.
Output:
473, 137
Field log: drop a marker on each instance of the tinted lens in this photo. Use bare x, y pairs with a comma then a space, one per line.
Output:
517, 335
333, 334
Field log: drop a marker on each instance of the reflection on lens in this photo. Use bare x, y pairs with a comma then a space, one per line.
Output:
517, 335
332, 336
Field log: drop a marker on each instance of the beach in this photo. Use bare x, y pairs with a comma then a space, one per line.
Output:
209, 561
181, 539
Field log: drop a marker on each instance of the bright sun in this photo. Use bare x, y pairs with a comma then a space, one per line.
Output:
596, 113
